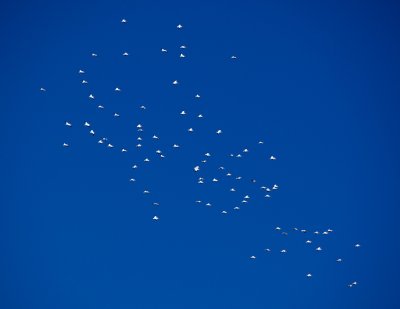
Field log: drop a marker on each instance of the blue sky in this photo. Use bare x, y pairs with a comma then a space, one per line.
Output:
317, 82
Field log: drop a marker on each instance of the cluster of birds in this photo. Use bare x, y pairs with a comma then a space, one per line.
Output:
224, 174
309, 242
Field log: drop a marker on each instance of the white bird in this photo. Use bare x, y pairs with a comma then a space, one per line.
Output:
110, 146
143, 107
68, 124
175, 82
352, 284
196, 168
163, 50
124, 150
42, 89
182, 46
84, 82
215, 180
190, 130
200, 116
183, 113
224, 212
275, 187
236, 208
277, 228
139, 126
81, 72
247, 197
100, 141
139, 138
219, 131
155, 137
100, 106
197, 96
94, 55
238, 156
125, 54
135, 166
267, 195
175, 146
155, 218
116, 115
198, 201
330, 230
123, 20
228, 174
147, 160
233, 57
267, 249
253, 257
91, 132
245, 150
158, 151
283, 251
139, 145
86, 124
146, 192
339, 260
308, 241
117, 89
156, 204
309, 275
232, 189
132, 180
65, 145
272, 158
179, 26
207, 154
91, 96
357, 245
208, 204
260, 142
238, 177
318, 249
182, 56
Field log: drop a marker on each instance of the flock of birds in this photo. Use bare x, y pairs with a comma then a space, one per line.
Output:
223, 171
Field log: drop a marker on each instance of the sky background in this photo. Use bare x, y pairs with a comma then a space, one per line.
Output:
318, 81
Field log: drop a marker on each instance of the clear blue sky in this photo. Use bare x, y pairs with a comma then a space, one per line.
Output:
318, 81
